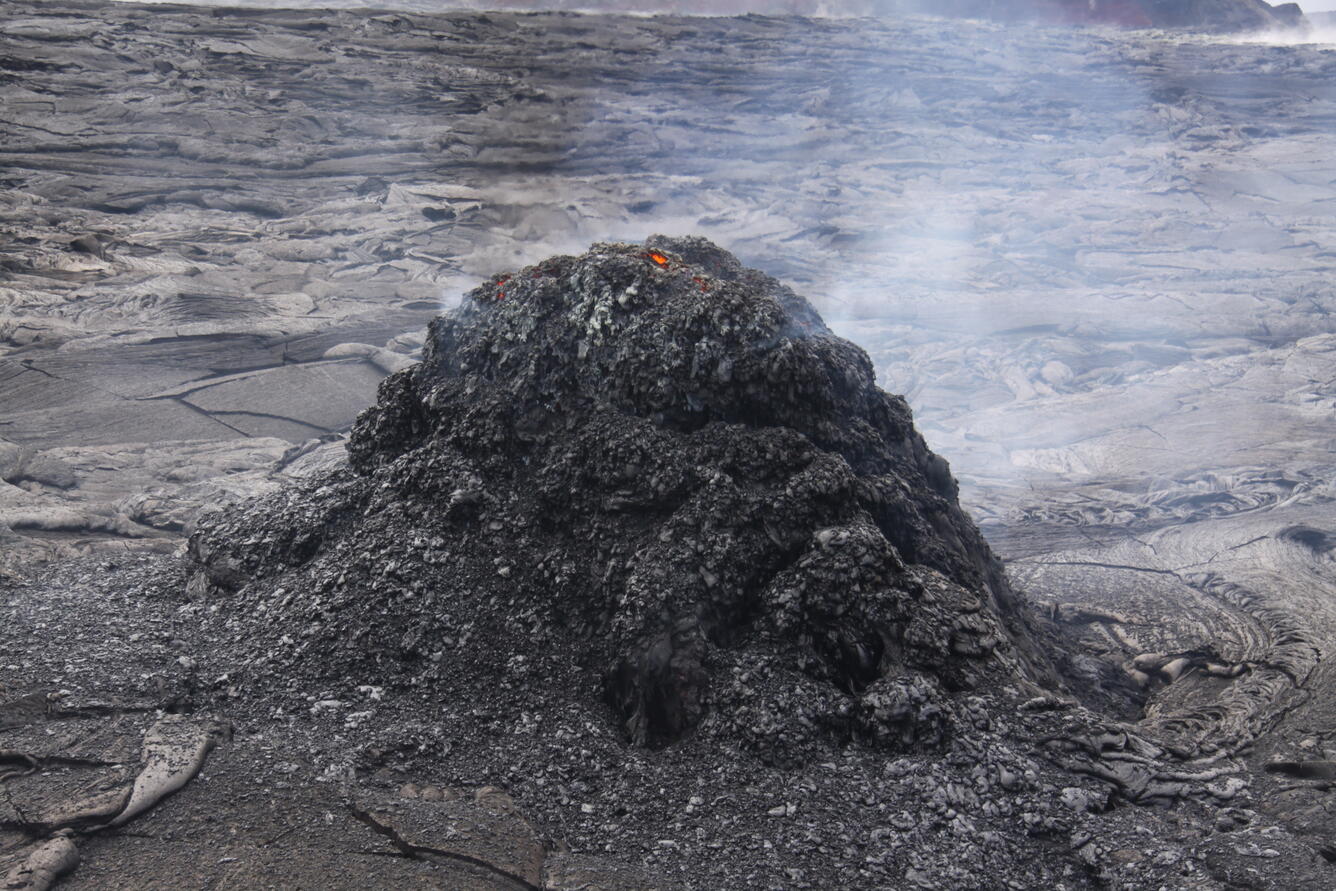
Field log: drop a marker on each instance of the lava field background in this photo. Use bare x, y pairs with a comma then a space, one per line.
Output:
1098, 265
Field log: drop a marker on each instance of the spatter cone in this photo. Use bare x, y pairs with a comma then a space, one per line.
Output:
666, 465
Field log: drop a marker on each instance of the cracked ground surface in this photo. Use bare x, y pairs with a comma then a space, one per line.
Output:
111, 760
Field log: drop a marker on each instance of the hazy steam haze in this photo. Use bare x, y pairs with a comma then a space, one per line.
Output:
1321, 33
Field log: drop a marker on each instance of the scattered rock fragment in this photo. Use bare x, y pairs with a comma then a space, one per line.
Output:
41, 866
174, 751
89, 244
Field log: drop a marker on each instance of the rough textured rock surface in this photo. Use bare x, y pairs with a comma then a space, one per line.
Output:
663, 454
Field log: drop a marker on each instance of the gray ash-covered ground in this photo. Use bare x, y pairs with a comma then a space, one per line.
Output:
641, 541
989, 808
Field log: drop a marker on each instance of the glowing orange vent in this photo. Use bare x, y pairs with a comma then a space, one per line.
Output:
658, 258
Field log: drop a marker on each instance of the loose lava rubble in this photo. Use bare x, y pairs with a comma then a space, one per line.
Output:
641, 541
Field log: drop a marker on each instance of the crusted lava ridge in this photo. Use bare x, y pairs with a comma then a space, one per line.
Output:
665, 464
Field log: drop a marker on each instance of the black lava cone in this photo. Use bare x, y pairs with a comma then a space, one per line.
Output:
666, 463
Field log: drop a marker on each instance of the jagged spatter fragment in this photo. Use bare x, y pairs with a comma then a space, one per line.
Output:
668, 463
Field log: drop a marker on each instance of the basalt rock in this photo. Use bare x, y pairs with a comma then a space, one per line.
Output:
669, 463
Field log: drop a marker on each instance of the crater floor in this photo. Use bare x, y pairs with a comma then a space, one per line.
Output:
1097, 264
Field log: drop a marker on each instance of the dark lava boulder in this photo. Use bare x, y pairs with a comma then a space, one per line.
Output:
664, 465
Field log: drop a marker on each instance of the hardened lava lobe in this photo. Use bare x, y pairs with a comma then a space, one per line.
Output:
666, 465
